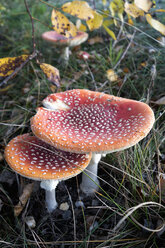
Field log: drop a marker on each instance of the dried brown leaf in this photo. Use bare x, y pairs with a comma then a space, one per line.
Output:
23, 199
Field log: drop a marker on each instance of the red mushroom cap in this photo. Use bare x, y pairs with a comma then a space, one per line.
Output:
92, 121
60, 40
33, 158
83, 55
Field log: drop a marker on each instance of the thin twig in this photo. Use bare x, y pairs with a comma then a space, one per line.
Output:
126, 50
12, 125
119, 35
123, 83
48, 4
48, 26
32, 22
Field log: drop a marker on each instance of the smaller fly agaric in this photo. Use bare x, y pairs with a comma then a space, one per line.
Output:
86, 121
65, 43
34, 159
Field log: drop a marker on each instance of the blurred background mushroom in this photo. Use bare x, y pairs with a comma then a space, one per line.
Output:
59, 40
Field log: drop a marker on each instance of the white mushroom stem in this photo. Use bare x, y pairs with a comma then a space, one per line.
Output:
90, 182
65, 54
50, 186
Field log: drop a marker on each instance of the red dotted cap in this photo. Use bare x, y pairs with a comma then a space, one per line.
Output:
88, 121
33, 158
60, 40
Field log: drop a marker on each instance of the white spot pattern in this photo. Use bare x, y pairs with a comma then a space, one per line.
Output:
95, 122
42, 161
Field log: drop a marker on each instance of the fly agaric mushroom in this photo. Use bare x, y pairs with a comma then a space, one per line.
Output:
35, 159
86, 121
65, 43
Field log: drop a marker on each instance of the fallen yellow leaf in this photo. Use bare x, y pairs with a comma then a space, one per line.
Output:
60, 22
72, 32
9, 64
111, 75
110, 32
155, 24
144, 64
62, 25
80, 9
52, 73
143, 4
133, 10
80, 26
96, 22
130, 21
